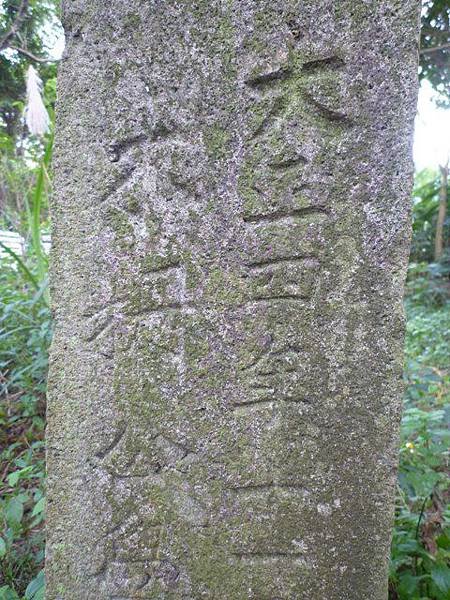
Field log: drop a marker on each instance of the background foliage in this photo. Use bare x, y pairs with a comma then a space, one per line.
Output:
435, 47
421, 542
36, 34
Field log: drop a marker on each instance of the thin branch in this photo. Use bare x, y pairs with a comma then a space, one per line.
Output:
17, 24
434, 49
38, 59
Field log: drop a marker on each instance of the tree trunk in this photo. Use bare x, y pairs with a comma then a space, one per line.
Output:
443, 195
231, 231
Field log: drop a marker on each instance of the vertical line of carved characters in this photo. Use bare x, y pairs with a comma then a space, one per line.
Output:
148, 459
158, 357
144, 224
266, 495
283, 180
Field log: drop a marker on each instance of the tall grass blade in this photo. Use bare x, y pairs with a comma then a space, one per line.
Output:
22, 266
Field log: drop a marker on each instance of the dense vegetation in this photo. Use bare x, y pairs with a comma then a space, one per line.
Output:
421, 544
420, 561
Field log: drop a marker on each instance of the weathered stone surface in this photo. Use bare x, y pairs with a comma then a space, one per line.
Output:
230, 241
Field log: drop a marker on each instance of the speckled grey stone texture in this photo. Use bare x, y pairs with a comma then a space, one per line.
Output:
231, 229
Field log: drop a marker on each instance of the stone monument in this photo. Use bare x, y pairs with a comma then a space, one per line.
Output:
231, 232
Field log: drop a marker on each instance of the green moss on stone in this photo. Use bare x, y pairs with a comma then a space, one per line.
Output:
132, 20
216, 140
120, 224
133, 204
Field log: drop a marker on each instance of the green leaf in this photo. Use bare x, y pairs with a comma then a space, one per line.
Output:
14, 512
409, 587
39, 507
2, 547
6, 593
14, 477
36, 588
443, 541
440, 574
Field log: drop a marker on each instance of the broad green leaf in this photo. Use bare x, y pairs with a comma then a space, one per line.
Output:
2, 547
409, 587
440, 574
14, 512
36, 588
39, 507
